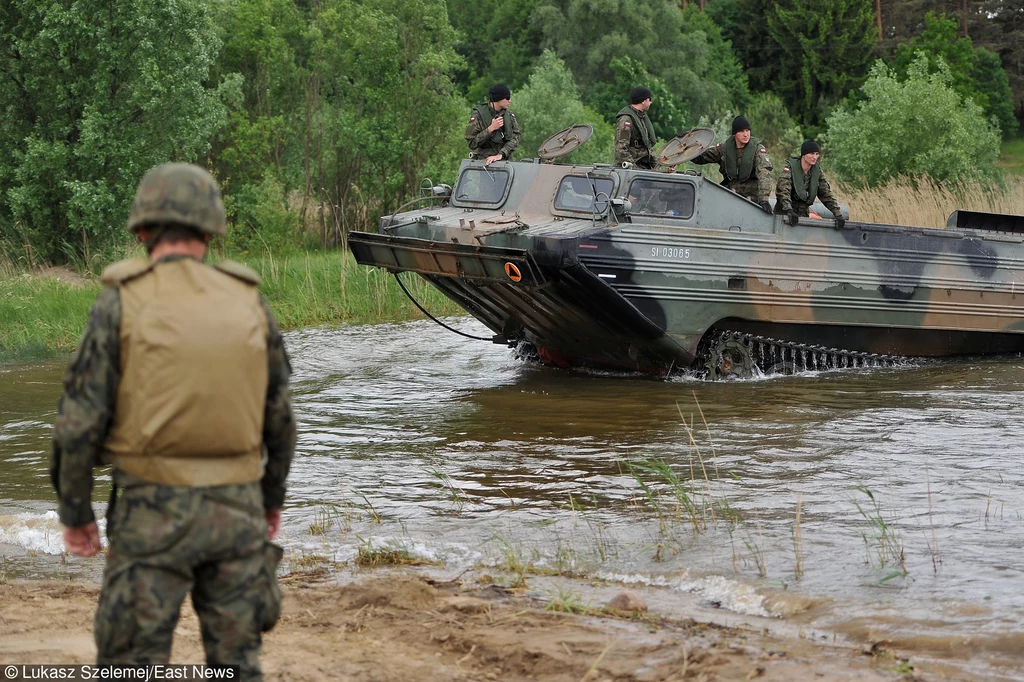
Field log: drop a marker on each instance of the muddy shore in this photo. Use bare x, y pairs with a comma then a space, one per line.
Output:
397, 626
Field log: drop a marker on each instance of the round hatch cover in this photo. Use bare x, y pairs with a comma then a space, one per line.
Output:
686, 146
564, 141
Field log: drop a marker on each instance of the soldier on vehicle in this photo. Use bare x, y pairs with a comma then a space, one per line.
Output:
180, 382
634, 133
744, 163
493, 131
801, 183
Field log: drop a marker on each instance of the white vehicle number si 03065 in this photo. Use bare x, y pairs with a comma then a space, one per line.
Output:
669, 252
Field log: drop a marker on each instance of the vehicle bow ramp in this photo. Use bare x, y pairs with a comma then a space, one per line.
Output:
544, 298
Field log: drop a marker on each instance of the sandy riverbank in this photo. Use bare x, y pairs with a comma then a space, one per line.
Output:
400, 627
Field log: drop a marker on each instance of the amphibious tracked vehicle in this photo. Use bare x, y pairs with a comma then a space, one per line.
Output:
654, 271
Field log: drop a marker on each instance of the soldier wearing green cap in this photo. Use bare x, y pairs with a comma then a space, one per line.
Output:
493, 132
180, 384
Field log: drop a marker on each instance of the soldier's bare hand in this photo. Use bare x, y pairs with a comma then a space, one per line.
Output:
83, 541
492, 159
496, 123
273, 517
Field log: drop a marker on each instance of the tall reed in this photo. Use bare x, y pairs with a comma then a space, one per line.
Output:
925, 203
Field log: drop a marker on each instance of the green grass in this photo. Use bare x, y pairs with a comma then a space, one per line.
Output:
44, 317
41, 317
1011, 158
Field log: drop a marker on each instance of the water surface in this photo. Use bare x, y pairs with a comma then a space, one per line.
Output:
907, 480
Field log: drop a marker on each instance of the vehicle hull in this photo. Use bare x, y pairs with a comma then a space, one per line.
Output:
623, 291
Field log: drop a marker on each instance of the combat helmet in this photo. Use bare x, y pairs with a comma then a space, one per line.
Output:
180, 193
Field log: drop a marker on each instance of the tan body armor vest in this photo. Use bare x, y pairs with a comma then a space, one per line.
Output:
193, 384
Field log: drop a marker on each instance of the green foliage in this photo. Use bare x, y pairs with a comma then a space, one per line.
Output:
669, 114
744, 22
383, 105
92, 94
498, 40
682, 50
263, 42
990, 80
918, 126
263, 221
773, 125
824, 51
551, 102
976, 73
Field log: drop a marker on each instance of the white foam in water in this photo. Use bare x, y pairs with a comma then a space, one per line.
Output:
729, 594
34, 532
724, 593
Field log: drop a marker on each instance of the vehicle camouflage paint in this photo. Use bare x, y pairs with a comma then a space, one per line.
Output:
650, 271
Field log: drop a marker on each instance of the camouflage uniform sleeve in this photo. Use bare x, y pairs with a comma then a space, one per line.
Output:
476, 132
86, 409
784, 190
278, 417
712, 155
510, 145
763, 170
827, 198
623, 131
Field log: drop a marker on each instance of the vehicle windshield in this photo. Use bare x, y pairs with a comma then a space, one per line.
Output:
482, 186
659, 197
576, 193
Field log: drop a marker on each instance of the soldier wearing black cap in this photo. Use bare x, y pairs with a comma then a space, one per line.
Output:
745, 165
801, 182
634, 133
493, 131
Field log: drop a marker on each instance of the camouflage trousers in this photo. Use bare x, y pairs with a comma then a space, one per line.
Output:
799, 207
746, 189
167, 541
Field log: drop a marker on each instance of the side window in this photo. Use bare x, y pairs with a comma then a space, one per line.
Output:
662, 198
576, 193
482, 186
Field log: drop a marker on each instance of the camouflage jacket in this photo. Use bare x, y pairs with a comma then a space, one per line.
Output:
633, 144
502, 141
758, 186
796, 190
87, 407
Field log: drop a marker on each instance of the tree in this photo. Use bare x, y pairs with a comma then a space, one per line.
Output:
743, 22
551, 102
976, 73
258, 148
774, 126
825, 50
681, 48
990, 80
92, 94
386, 112
918, 126
499, 41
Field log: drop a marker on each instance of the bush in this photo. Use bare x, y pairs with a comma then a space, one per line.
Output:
262, 221
916, 127
551, 102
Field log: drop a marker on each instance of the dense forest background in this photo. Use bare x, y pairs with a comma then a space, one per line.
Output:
318, 115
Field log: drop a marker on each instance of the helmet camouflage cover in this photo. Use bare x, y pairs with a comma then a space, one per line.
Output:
179, 193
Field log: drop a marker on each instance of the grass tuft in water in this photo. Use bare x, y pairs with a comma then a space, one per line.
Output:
370, 555
453, 492
885, 542
571, 601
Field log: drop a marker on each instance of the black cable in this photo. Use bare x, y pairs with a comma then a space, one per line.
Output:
424, 311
